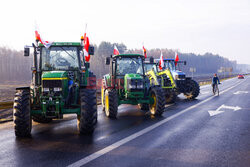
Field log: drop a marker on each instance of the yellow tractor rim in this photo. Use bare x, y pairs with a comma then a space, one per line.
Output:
107, 104
153, 106
102, 96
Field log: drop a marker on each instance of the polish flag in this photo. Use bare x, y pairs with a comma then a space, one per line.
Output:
161, 62
176, 58
144, 52
116, 51
47, 44
86, 47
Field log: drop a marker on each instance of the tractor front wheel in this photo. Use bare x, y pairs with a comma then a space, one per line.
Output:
170, 96
111, 103
157, 108
144, 106
193, 89
21, 113
87, 120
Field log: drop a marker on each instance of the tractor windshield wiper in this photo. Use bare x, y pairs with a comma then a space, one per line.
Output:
67, 53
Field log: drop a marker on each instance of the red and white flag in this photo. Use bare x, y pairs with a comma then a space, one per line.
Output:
176, 58
144, 52
116, 51
47, 44
161, 63
86, 47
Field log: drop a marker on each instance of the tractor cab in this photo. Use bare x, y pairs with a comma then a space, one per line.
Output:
173, 66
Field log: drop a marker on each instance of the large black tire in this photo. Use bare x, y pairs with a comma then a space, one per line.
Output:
111, 103
41, 119
157, 108
144, 106
87, 120
193, 89
21, 113
170, 96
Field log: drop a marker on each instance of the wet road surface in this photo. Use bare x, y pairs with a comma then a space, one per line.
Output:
186, 135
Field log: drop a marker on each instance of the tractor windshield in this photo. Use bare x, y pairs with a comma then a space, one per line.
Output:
148, 66
128, 65
59, 58
170, 65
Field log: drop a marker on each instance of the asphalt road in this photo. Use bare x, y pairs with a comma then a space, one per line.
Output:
209, 131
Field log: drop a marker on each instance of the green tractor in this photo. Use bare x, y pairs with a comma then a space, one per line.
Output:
61, 84
127, 83
163, 78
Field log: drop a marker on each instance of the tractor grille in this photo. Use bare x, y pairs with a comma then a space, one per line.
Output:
136, 90
181, 76
52, 83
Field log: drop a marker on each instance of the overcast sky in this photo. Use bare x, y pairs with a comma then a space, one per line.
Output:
199, 26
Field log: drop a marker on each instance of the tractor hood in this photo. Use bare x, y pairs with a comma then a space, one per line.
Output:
54, 75
134, 85
55, 81
132, 76
178, 74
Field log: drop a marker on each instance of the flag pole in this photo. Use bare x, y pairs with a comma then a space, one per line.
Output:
86, 27
143, 49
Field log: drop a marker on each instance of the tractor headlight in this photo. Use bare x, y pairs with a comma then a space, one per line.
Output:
57, 89
140, 86
131, 86
45, 89
179, 77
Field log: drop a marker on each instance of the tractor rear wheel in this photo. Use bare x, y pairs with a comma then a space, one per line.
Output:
157, 108
193, 89
88, 118
41, 119
21, 113
111, 103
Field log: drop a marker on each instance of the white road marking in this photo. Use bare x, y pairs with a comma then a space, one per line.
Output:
230, 107
219, 111
121, 142
205, 92
204, 86
240, 92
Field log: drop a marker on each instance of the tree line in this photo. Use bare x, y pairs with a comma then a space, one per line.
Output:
15, 67
205, 64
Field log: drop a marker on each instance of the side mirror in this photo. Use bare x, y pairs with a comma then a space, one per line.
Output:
185, 63
151, 60
107, 60
91, 50
26, 51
